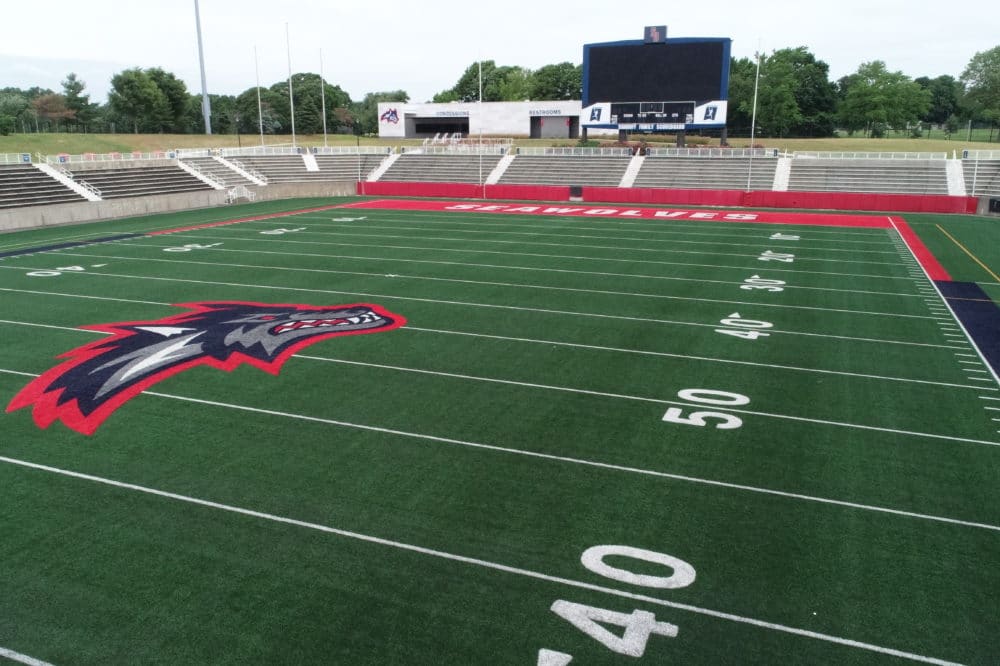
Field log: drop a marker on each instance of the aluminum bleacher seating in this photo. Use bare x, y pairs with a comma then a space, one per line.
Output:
592, 170
982, 177
711, 173
441, 168
24, 185
136, 181
903, 176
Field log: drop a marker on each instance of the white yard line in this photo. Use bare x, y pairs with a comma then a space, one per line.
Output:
472, 561
615, 248
569, 460
757, 242
544, 269
461, 303
22, 658
525, 286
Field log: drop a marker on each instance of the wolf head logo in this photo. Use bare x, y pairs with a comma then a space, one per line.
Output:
101, 376
390, 116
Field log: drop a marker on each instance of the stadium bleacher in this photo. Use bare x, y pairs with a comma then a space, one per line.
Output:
24, 185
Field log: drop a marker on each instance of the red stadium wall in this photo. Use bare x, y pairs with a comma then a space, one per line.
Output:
906, 203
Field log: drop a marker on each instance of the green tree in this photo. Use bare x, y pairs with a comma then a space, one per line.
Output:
873, 99
945, 93
515, 85
742, 75
136, 98
83, 111
557, 82
808, 81
467, 87
177, 98
982, 84
14, 107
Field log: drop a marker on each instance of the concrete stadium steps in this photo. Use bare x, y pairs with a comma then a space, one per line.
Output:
24, 185
348, 167
437, 168
869, 175
591, 170
220, 172
707, 173
982, 177
139, 181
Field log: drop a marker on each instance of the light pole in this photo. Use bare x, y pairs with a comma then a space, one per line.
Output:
206, 106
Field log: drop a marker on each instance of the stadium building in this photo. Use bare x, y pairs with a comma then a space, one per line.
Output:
536, 120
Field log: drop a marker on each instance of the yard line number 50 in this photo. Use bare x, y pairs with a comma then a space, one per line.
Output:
721, 420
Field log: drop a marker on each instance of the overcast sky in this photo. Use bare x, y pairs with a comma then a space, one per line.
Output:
423, 47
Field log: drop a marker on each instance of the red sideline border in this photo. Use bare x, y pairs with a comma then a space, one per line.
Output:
927, 260
900, 203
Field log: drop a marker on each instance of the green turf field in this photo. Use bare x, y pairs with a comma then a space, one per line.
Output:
595, 440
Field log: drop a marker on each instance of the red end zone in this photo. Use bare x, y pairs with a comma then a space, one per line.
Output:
934, 269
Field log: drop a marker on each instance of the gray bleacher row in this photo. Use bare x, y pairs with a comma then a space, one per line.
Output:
25, 185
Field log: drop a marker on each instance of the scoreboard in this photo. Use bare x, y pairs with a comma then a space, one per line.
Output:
664, 84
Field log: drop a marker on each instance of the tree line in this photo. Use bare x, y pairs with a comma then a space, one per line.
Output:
795, 98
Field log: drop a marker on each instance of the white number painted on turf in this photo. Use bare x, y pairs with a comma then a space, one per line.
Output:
190, 246
347, 219
281, 231
682, 576
768, 255
739, 327
639, 625
701, 418
757, 282
58, 271
787, 237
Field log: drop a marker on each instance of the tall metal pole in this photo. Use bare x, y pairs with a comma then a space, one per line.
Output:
260, 108
481, 183
291, 99
322, 90
753, 119
206, 106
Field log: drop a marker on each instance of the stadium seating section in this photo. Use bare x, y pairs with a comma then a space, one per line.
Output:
27, 185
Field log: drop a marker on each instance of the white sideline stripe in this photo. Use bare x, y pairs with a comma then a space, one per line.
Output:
438, 220
529, 254
404, 276
583, 245
574, 461
445, 302
506, 284
583, 391
944, 301
689, 358
535, 234
986, 397
523, 268
660, 401
22, 658
481, 563
96, 298
582, 314
684, 357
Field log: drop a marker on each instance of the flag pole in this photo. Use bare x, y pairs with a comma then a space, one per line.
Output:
260, 108
322, 90
753, 118
291, 99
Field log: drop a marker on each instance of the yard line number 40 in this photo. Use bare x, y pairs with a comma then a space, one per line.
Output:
639, 625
